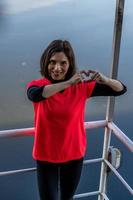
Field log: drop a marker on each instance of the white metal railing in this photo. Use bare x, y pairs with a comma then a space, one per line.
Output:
30, 131
119, 11
87, 194
121, 136
119, 176
18, 171
94, 124
88, 125
17, 132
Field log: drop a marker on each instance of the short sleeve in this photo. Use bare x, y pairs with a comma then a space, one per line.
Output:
38, 82
35, 89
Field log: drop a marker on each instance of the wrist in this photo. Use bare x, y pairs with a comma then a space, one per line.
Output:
108, 81
70, 82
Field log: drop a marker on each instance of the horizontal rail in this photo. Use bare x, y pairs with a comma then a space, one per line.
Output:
93, 161
30, 131
17, 132
34, 168
88, 125
18, 171
121, 136
95, 124
86, 194
119, 176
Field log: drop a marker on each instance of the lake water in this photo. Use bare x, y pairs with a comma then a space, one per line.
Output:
25, 30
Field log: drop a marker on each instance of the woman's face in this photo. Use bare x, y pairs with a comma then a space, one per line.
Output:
58, 66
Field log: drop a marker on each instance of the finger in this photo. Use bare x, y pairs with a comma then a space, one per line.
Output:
80, 77
84, 72
97, 78
93, 71
88, 72
93, 77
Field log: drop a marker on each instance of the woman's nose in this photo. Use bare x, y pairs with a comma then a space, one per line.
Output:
57, 67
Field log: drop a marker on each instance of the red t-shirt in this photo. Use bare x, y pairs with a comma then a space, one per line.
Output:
59, 123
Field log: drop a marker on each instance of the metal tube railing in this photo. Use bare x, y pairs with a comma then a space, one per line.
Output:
119, 11
88, 125
121, 136
85, 162
18, 171
119, 176
87, 194
95, 124
17, 132
30, 131
93, 161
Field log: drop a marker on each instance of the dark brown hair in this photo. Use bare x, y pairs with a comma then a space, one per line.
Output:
54, 47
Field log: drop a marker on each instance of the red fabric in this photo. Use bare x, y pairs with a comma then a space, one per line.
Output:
59, 123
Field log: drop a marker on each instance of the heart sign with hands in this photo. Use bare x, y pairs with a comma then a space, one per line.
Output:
89, 75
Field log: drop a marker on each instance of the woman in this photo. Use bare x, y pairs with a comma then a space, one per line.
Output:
59, 101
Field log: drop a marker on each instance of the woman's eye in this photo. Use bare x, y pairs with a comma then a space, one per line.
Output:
52, 62
63, 63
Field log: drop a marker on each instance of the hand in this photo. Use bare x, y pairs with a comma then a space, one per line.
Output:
85, 75
99, 77
76, 78
94, 75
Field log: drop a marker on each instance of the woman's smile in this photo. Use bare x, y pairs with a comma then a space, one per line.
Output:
59, 75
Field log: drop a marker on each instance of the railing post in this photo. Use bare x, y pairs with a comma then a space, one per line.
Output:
111, 100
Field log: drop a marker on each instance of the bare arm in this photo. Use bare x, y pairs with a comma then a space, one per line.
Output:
104, 87
114, 84
102, 79
52, 89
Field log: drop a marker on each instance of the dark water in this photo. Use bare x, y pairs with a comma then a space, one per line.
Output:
88, 25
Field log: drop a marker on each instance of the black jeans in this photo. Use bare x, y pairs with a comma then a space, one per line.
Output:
49, 176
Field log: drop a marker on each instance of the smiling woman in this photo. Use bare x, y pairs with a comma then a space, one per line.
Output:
59, 103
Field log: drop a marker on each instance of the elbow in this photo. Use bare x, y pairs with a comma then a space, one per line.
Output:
32, 97
35, 94
121, 92
35, 99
